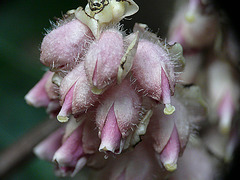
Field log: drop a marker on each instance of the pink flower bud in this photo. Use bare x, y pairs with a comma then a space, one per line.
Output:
47, 148
70, 157
66, 109
117, 116
225, 112
154, 72
223, 93
38, 96
103, 59
170, 153
170, 133
194, 27
63, 47
111, 135
75, 93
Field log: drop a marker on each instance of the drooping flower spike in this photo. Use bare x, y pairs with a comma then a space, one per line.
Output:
120, 104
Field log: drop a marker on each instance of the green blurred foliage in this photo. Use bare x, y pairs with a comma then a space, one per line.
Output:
22, 26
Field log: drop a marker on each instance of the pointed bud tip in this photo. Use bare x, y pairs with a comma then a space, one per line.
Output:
190, 17
105, 149
96, 91
170, 167
169, 109
62, 119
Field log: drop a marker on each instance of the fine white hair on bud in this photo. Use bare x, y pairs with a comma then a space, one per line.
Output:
122, 96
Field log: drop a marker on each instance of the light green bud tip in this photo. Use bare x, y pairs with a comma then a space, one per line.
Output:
97, 91
169, 109
170, 167
62, 119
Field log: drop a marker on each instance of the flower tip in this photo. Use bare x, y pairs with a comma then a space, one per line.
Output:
170, 167
224, 130
29, 100
106, 148
169, 109
62, 119
32, 100
96, 91
190, 17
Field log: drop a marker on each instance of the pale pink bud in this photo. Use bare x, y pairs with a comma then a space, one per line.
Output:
226, 112
170, 133
111, 135
38, 96
194, 27
66, 109
103, 59
117, 116
75, 93
63, 47
70, 157
170, 153
154, 72
223, 93
47, 148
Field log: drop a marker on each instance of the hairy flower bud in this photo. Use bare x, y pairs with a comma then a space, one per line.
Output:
63, 47
75, 93
70, 156
38, 95
103, 59
154, 72
116, 116
170, 133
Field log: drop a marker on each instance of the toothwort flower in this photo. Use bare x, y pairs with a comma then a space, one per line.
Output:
110, 89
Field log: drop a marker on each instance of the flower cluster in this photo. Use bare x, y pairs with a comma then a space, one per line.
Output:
118, 96
210, 51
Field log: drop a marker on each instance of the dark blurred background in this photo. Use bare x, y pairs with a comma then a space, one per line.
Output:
22, 27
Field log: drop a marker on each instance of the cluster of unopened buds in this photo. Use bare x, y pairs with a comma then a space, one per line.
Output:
118, 96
